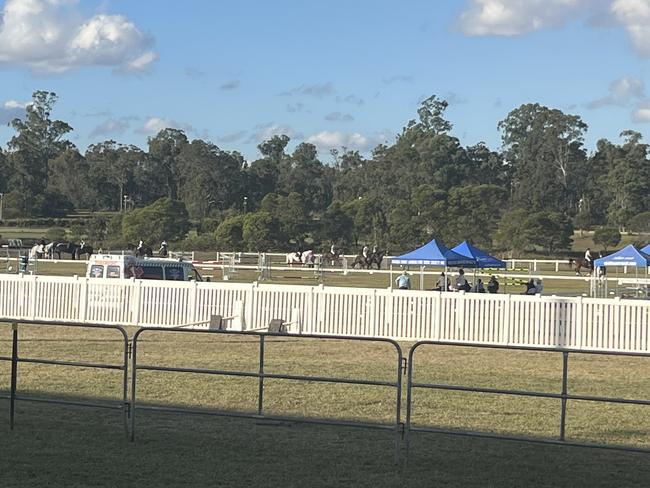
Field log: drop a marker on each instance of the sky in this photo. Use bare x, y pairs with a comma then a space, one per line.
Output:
336, 74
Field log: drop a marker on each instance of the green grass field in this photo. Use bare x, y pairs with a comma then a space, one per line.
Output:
67, 446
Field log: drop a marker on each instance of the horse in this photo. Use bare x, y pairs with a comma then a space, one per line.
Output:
293, 258
308, 258
376, 258
64, 247
362, 261
85, 249
141, 252
334, 259
578, 263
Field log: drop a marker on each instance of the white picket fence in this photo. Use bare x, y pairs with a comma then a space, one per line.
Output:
585, 323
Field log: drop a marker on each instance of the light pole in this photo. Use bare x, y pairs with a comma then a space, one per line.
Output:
126, 199
245, 204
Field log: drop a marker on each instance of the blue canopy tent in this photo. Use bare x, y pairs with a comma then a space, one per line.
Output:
483, 259
646, 250
433, 253
629, 256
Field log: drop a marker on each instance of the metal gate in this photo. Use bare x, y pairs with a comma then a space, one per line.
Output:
15, 359
564, 396
261, 375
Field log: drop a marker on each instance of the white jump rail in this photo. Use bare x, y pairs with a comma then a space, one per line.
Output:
544, 321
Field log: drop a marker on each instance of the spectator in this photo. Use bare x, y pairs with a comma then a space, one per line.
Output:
403, 281
531, 288
461, 281
478, 287
493, 285
441, 284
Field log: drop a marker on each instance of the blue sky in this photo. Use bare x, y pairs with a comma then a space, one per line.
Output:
334, 73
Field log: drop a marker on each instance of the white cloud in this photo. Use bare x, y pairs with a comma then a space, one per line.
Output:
110, 127
635, 16
267, 131
642, 114
327, 140
12, 109
515, 17
51, 36
153, 125
621, 92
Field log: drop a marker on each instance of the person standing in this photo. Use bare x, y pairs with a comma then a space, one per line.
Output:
478, 287
403, 281
461, 281
441, 284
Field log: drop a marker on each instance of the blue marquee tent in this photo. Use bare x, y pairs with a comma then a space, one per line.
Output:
628, 256
483, 259
646, 250
434, 254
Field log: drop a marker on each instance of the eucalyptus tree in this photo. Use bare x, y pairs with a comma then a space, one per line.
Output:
544, 146
37, 141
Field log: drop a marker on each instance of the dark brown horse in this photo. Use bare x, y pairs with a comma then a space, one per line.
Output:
579, 263
376, 258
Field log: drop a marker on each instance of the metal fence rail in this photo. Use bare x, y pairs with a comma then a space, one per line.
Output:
16, 359
261, 375
564, 396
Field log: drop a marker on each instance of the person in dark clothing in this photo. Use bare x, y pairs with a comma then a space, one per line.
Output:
493, 285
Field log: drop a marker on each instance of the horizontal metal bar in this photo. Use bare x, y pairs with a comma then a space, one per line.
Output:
476, 389
324, 379
197, 370
382, 340
589, 398
536, 440
515, 347
58, 401
71, 363
531, 394
226, 413
5, 358
267, 375
55, 323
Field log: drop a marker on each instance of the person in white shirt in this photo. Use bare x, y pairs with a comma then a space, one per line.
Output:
589, 258
461, 281
403, 281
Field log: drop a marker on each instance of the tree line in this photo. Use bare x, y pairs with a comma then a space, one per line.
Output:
532, 193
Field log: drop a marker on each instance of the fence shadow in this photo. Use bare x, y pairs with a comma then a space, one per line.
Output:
67, 446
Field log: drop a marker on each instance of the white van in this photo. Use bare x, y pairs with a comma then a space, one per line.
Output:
119, 266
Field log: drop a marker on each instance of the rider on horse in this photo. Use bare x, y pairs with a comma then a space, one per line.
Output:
163, 249
589, 259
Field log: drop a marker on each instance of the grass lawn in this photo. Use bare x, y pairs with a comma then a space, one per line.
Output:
77, 447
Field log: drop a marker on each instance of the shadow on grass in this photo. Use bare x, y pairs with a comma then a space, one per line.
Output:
67, 446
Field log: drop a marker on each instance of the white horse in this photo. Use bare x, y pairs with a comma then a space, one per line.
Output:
293, 258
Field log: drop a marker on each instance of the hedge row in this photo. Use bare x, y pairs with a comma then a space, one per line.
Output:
43, 222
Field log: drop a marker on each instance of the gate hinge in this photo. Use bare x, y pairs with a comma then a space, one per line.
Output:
130, 349
404, 366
